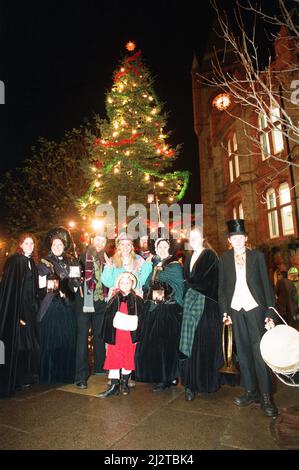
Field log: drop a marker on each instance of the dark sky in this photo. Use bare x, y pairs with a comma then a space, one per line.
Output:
57, 61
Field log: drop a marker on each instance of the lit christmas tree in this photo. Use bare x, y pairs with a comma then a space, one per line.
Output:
131, 158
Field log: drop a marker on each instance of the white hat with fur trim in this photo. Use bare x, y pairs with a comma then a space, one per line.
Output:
130, 276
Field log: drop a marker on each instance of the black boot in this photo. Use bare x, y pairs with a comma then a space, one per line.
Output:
189, 395
125, 390
267, 405
113, 389
162, 386
250, 396
132, 382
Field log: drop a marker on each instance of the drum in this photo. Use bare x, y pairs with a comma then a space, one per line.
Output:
280, 351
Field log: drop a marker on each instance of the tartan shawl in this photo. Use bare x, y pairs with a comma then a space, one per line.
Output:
194, 304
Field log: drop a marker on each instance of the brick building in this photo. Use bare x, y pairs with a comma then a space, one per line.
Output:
236, 179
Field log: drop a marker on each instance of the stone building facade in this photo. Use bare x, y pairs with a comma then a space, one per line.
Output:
236, 180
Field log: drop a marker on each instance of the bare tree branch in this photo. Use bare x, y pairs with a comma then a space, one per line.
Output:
259, 91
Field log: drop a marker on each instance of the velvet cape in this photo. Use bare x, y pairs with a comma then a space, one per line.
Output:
15, 306
200, 373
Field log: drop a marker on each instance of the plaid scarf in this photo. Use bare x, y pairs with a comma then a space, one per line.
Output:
89, 272
194, 304
93, 289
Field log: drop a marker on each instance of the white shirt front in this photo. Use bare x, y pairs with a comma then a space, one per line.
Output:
242, 297
194, 258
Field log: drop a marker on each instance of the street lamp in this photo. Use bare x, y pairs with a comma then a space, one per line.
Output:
71, 226
153, 198
97, 225
150, 198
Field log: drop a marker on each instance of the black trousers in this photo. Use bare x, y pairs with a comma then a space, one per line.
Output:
85, 321
248, 329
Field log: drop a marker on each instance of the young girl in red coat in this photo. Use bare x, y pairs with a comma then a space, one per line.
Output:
121, 332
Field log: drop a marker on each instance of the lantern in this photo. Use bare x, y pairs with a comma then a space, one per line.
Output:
52, 283
74, 271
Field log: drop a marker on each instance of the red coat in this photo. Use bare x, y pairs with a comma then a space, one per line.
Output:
122, 353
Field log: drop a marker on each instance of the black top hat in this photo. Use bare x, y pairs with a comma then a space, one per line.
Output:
58, 232
236, 227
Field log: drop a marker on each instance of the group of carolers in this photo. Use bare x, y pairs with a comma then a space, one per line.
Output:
149, 315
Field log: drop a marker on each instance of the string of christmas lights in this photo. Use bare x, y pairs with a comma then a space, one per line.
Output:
132, 154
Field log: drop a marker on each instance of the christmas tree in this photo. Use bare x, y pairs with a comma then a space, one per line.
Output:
131, 158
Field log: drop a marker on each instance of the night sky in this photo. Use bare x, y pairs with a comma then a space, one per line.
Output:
57, 61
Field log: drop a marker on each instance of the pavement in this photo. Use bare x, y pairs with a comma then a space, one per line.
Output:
65, 418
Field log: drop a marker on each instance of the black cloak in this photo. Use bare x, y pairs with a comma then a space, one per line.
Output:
135, 307
18, 301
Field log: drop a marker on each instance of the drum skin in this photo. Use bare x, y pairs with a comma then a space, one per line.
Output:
280, 349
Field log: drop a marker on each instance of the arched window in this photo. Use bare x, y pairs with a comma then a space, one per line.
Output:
272, 213
264, 136
233, 157
238, 212
286, 209
279, 208
270, 130
277, 136
241, 212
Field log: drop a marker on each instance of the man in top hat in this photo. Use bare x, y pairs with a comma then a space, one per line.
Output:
245, 295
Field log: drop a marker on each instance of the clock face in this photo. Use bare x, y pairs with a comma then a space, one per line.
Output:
222, 101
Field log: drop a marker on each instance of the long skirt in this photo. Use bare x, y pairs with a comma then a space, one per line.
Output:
57, 335
157, 354
200, 372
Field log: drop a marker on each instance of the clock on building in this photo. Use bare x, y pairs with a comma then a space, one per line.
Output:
222, 101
